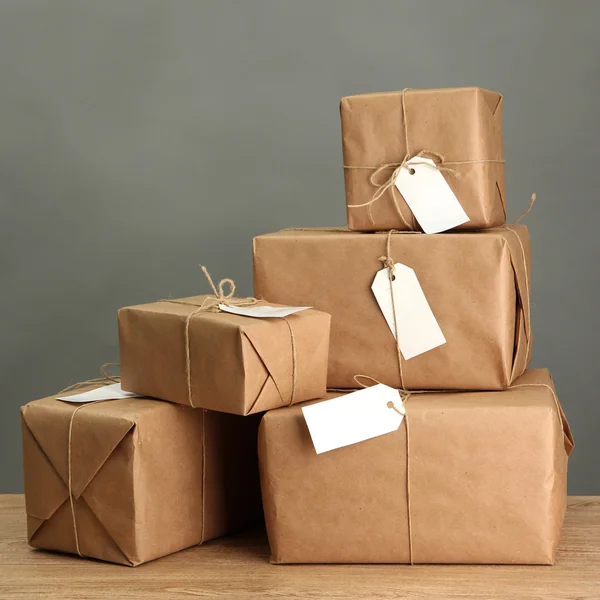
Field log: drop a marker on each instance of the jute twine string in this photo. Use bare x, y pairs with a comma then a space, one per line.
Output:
527, 210
106, 379
527, 286
405, 395
294, 361
70, 482
390, 183
211, 305
527, 292
389, 263
346, 230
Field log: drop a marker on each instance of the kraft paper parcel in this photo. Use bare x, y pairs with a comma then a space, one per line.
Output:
238, 364
148, 478
476, 284
485, 474
463, 125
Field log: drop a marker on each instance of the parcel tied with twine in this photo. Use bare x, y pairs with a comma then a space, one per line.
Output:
476, 284
460, 129
468, 477
130, 480
191, 352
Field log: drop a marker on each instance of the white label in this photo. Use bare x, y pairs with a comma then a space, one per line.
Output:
418, 330
354, 418
106, 392
429, 196
263, 312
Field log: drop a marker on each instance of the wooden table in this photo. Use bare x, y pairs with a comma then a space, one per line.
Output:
237, 568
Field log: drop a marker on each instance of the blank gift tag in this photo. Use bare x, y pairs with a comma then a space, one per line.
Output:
106, 392
354, 418
429, 196
418, 329
263, 312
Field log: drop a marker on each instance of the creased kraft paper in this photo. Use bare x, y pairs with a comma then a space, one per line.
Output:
462, 124
148, 478
476, 283
240, 365
487, 483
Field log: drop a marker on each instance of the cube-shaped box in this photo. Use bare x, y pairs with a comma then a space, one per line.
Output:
237, 364
462, 126
476, 284
480, 478
131, 480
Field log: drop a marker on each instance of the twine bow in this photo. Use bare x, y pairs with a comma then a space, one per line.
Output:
211, 303
390, 183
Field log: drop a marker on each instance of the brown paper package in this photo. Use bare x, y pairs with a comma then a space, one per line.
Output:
148, 478
487, 483
476, 283
462, 124
240, 365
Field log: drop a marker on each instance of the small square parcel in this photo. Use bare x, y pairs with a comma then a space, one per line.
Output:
131, 480
476, 284
237, 364
480, 479
459, 128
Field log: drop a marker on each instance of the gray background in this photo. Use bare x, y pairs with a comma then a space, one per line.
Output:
139, 138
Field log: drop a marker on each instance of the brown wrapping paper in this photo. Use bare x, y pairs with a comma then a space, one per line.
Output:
462, 124
476, 283
487, 483
148, 478
239, 365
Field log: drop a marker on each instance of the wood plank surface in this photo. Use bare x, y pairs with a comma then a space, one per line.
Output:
237, 568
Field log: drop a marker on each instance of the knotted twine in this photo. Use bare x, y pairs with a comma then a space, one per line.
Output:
390, 183
211, 305
405, 395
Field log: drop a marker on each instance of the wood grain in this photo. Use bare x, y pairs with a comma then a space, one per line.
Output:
237, 568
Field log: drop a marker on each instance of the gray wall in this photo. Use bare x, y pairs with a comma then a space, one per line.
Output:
139, 138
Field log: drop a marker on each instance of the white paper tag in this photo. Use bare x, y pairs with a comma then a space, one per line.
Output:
418, 329
354, 418
429, 196
106, 392
263, 312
